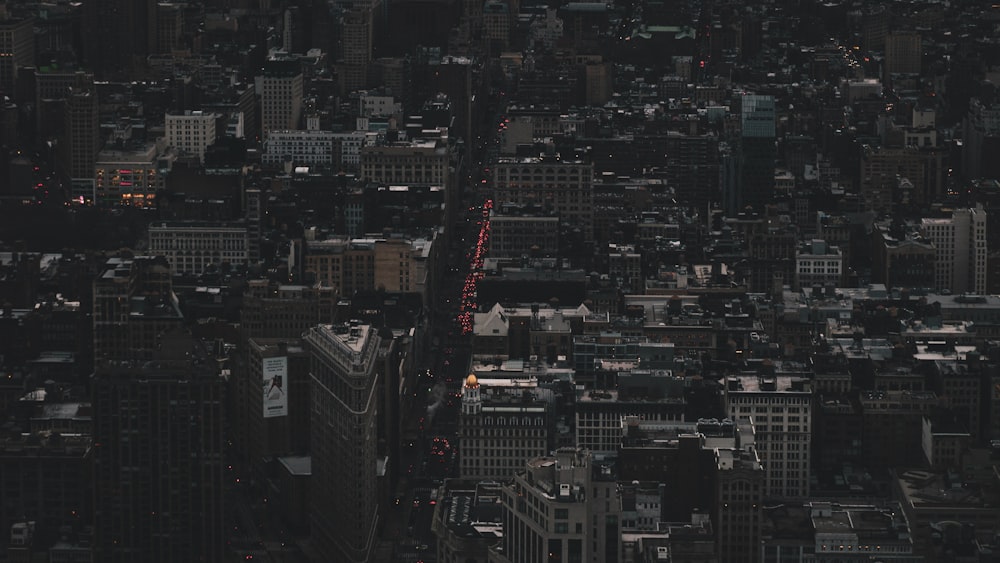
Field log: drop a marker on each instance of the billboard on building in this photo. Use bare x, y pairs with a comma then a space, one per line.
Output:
275, 372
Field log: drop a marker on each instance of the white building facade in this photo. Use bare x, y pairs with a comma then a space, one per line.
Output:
193, 247
191, 132
303, 147
781, 410
960, 242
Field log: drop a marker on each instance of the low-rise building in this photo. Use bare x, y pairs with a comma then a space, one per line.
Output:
467, 520
192, 247
830, 532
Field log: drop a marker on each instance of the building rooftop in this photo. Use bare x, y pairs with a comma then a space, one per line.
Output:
473, 510
926, 489
767, 384
298, 465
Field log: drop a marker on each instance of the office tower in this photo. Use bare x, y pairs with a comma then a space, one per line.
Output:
158, 465
497, 25
273, 310
346, 380
134, 304
52, 88
781, 410
252, 214
981, 140
17, 49
191, 132
489, 425
907, 175
277, 409
169, 27
739, 488
903, 53
874, 27
560, 508
82, 135
280, 96
270, 312
356, 50
960, 245
45, 477
118, 35
692, 167
709, 467
755, 182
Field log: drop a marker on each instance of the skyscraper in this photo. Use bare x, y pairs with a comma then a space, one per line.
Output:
346, 379
781, 410
757, 153
357, 32
17, 49
960, 244
134, 303
118, 35
280, 96
158, 457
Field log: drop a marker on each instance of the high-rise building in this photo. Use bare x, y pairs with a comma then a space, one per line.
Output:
191, 132
692, 168
277, 410
134, 304
903, 53
272, 310
960, 244
253, 214
17, 49
169, 27
280, 86
82, 134
981, 140
357, 29
710, 468
118, 35
560, 508
739, 488
781, 410
271, 313
882, 168
755, 183
346, 380
45, 476
158, 464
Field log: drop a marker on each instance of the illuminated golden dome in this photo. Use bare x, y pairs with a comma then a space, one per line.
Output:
471, 382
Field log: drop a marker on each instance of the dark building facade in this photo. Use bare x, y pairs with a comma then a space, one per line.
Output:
158, 464
118, 35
